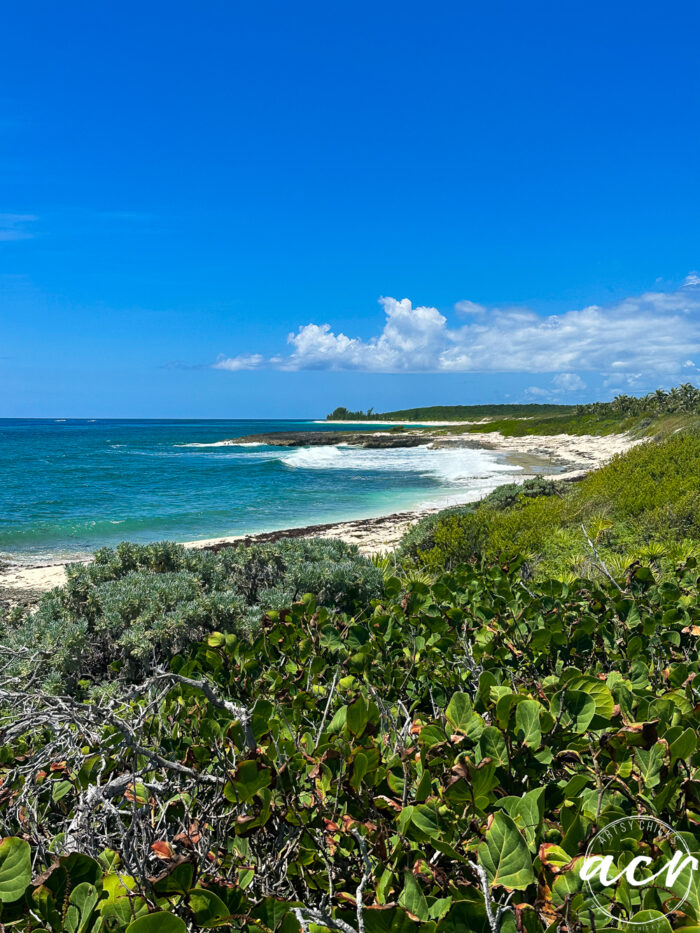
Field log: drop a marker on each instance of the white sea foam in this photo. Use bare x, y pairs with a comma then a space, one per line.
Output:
223, 444
463, 467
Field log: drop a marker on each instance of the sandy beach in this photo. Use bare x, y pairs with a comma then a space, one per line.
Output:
570, 457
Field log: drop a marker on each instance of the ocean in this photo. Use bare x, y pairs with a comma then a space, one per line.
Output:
70, 486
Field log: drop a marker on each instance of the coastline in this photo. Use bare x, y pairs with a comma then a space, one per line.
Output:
569, 458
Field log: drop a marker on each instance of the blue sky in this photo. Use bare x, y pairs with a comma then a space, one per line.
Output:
442, 203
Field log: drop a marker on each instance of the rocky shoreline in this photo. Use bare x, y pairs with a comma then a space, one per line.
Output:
369, 439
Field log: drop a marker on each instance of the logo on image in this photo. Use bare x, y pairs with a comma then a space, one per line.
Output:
638, 870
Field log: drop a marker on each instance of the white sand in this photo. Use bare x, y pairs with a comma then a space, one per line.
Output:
408, 424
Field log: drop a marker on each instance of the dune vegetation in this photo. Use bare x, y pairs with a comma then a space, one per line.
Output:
293, 737
643, 505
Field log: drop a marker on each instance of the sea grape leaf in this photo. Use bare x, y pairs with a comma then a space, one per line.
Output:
392, 920
654, 919
178, 881
505, 856
574, 709
598, 689
684, 746
649, 763
459, 712
358, 716
158, 922
82, 901
425, 817
208, 908
493, 745
464, 915
527, 812
432, 735
44, 905
553, 856
249, 780
121, 904
412, 898
527, 723
15, 868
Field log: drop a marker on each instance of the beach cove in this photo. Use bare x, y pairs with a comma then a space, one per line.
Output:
438, 471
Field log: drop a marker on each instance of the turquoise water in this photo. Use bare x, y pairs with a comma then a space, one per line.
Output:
68, 487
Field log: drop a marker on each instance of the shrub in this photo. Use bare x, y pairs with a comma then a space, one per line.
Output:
511, 493
137, 605
649, 494
451, 751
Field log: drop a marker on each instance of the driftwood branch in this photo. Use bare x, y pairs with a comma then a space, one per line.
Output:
494, 912
243, 715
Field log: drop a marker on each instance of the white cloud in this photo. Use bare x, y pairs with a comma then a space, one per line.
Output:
13, 226
652, 333
569, 382
469, 307
629, 380
537, 392
692, 278
243, 361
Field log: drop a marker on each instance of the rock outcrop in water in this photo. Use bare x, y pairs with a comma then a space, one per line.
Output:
326, 438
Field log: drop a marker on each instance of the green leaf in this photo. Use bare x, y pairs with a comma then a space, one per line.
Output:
262, 717
44, 905
208, 908
527, 723
684, 746
160, 922
464, 916
337, 723
598, 689
493, 745
60, 789
425, 817
81, 905
505, 856
554, 856
249, 780
15, 868
459, 712
358, 716
653, 920
574, 709
122, 904
109, 860
179, 881
412, 898
649, 763
392, 920
431, 735
527, 813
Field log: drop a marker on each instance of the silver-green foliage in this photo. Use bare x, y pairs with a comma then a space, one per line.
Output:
137, 605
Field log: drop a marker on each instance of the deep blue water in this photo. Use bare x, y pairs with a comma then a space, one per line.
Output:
68, 487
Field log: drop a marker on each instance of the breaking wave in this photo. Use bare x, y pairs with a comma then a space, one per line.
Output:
460, 467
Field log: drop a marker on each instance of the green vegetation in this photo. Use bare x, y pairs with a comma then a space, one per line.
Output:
290, 738
138, 605
644, 504
658, 413
365, 770
449, 413
684, 399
